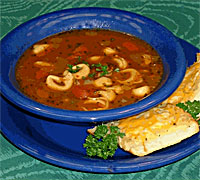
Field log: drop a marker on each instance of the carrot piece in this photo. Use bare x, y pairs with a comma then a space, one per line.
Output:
83, 91
80, 92
79, 51
40, 74
130, 46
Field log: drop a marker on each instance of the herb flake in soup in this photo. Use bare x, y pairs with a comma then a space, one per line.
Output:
87, 70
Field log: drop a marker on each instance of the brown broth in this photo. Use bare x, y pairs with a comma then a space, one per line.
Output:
63, 51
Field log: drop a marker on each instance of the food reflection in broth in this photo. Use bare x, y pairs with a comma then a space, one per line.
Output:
89, 70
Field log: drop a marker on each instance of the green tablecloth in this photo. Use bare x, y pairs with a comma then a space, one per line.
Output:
182, 17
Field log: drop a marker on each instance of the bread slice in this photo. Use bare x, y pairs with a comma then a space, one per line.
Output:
155, 129
189, 89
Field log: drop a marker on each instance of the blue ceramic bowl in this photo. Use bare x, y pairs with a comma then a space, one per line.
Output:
17, 41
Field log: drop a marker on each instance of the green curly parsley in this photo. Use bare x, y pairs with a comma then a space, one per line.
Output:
103, 143
71, 70
192, 108
100, 68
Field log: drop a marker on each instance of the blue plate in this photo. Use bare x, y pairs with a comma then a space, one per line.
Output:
61, 144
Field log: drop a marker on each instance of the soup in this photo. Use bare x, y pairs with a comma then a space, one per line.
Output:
88, 70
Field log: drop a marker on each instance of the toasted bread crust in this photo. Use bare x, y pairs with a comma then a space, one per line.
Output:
156, 129
189, 89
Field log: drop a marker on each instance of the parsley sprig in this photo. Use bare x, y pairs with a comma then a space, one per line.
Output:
104, 142
192, 108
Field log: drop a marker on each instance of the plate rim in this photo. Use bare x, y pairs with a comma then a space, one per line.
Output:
112, 169
106, 170
5, 132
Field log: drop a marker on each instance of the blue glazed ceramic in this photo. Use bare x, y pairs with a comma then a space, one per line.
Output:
62, 144
18, 40
23, 121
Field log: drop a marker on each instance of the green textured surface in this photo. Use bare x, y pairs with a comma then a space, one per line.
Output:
179, 16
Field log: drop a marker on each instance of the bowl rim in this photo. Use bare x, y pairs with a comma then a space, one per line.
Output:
65, 116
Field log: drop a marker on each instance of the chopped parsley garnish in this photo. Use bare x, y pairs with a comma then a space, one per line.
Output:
71, 70
91, 75
117, 70
192, 108
85, 62
112, 39
79, 58
100, 68
104, 142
